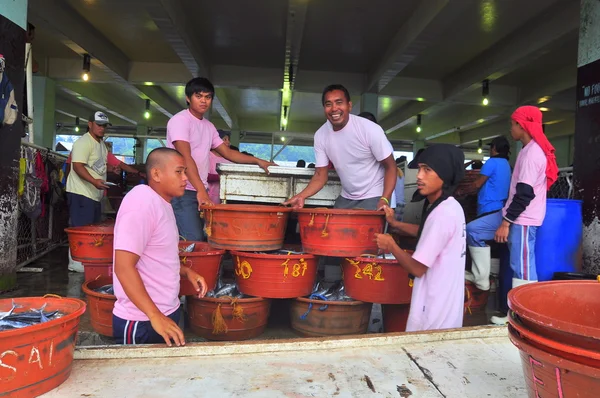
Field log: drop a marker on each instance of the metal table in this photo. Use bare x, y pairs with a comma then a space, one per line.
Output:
249, 183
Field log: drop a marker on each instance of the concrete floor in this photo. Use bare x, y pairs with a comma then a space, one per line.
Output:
56, 279
468, 362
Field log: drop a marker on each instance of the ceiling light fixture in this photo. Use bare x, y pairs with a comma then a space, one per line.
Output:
480, 149
86, 67
485, 92
544, 109
77, 124
147, 112
419, 120
282, 139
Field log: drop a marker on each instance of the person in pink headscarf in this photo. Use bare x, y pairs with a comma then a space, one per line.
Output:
534, 173
214, 185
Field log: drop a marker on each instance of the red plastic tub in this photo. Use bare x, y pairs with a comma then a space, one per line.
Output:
563, 311
205, 260
376, 280
245, 227
329, 318
100, 306
93, 271
250, 322
275, 275
395, 317
549, 374
37, 359
92, 244
339, 232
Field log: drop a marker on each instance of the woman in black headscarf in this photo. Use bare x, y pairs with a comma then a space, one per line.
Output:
438, 263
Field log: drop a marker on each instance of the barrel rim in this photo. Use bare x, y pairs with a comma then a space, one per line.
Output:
546, 321
212, 252
341, 303
227, 299
89, 292
274, 256
246, 208
340, 212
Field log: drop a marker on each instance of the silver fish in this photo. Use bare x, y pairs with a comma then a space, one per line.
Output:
188, 249
10, 325
226, 290
5, 314
106, 289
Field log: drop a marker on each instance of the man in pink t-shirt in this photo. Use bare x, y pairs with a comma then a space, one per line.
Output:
535, 171
438, 263
194, 137
147, 271
362, 155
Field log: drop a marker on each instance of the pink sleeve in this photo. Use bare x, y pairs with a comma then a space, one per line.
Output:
320, 156
433, 240
216, 140
112, 160
178, 129
133, 228
380, 145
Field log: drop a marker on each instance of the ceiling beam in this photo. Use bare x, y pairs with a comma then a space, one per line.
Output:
521, 46
108, 61
157, 94
296, 17
427, 23
78, 34
73, 109
171, 18
403, 116
546, 85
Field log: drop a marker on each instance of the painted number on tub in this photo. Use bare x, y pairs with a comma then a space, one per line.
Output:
298, 269
372, 270
243, 269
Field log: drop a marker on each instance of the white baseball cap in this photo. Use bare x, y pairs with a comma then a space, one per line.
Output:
100, 119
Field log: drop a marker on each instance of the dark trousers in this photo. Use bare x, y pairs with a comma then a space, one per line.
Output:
83, 210
138, 332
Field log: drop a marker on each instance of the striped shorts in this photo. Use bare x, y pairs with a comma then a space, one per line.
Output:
521, 244
138, 332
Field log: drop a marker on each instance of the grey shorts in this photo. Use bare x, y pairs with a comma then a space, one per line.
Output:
364, 204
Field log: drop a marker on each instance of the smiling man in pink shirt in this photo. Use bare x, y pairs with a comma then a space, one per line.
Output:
146, 261
438, 263
194, 137
362, 155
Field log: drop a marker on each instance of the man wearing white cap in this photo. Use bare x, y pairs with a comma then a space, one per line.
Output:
87, 181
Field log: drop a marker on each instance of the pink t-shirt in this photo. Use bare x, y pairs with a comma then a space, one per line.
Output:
438, 296
530, 169
356, 151
215, 186
146, 226
202, 136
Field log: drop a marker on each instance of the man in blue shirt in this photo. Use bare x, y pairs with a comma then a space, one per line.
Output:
493, 183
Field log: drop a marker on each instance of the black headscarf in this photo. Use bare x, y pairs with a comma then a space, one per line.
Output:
448, 162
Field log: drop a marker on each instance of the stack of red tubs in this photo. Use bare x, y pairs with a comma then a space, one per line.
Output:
350, 235
556, 327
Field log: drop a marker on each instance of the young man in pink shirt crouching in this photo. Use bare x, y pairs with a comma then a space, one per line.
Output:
146, 259
438, 263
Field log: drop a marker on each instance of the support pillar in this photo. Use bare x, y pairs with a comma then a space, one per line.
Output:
235, 136
587, 131
141, 144
44, 96
418, 144
13, 19
369, 102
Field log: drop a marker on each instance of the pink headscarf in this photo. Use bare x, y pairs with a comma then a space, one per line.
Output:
530, 118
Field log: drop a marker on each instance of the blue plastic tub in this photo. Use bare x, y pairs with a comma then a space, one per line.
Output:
559, 238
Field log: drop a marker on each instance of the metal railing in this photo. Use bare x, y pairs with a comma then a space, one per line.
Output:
43, 214
563, 187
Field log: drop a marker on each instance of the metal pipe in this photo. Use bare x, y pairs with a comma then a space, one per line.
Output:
29, 79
